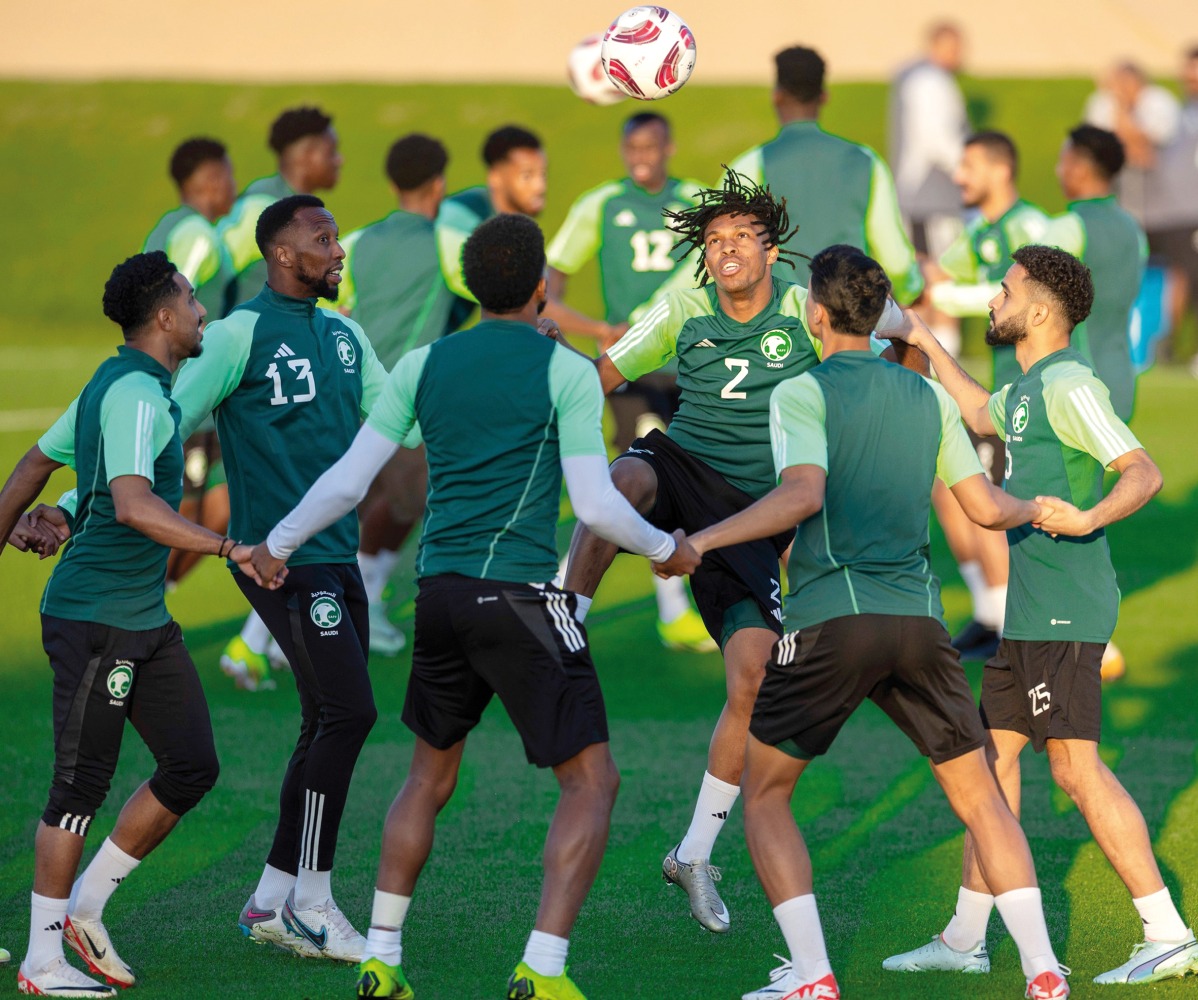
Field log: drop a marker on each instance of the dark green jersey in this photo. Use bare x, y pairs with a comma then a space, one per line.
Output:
499, 406
124, 423
288, 384
238, 229
882, 434
622, 225
460, 214
1060, 432
393, 286
1113, 246
838, 192
726, 372
194, 246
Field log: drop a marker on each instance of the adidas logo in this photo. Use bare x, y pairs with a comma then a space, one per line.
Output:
705, 343
284, 352
56, 926
117, 881
721, 815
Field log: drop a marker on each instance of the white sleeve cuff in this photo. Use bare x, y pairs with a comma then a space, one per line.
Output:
602, 508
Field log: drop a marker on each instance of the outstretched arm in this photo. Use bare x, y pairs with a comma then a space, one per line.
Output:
28, 479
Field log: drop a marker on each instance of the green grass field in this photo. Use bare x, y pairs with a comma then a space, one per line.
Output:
84, 166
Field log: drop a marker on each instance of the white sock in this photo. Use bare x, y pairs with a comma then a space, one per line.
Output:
45, 931
996, 599
968, 926
559, 581
108, 869
255, 633
672, 602
1023, 913
584, 605
311, 888
716, 799
975, 580
545, 954
799, 920
384, 944
376, 572
273, 888
1162, 922
389, 910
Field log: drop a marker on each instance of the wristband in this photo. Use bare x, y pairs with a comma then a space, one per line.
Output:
220, 552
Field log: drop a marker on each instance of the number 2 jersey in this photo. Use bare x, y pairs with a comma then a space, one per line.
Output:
289, 384
726, 372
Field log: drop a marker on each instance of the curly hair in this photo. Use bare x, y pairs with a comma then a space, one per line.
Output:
738, 196
415, 160
499, 144
1060, 277
1102, 148
851, 287
277, 217
295, 124
503, 261
189, 156
137, 288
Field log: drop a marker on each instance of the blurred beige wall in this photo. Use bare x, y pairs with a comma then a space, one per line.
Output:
470, 40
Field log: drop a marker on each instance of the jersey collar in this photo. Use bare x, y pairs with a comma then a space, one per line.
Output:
285, 303
140, 360
1103, 199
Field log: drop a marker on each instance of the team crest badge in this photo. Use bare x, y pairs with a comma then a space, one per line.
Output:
988, 250
1020, 417
345, 350
325, 613
625, 218
776, 345
120, 680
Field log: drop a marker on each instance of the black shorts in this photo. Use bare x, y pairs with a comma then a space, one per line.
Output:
476, 638
992, 453
1177, 247
1045, 690
691, 495
817, 677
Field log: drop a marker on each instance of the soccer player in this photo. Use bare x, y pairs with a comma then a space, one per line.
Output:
391, 284
620, 222
864, 614
115, 652
492, 514
838, 191
1043, 686
735, 339
289, 383
306, 145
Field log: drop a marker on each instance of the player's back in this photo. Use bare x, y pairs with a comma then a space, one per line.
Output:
238, 230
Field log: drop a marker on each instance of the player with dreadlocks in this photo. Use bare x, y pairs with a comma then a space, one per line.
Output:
736, 337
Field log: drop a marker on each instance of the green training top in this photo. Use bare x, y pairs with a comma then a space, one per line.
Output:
726, 372
289, 384
622, 224
1111, 243
493, 496
460, 214
392, 284
238, 228
124, 423
194, 246
838, 192
882, 434
1061, 433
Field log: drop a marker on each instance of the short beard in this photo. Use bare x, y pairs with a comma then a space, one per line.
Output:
1008, 333
197, 350
318, 284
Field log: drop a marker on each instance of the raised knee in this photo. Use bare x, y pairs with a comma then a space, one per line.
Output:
636, 480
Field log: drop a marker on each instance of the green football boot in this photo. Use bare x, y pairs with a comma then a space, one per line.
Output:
378, 979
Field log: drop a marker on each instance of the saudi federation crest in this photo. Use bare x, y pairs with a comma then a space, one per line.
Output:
776, 345
345, 350
326, 613
120, 680
1020, 417
989, 250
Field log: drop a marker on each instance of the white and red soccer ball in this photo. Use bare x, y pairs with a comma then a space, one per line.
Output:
648, 53
586, 75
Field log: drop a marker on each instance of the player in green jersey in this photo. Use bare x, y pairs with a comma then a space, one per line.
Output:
863, 613
114, 650
838, 191
392, 285
480, 628
288, 384
735, 339
306, 145
620, 223
1043, 685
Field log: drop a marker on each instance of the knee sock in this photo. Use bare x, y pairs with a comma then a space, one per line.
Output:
384, 939
108, 869
1023, 913
311, 888
545, 954
255, 633
799, 920
716, 799
1161, 920
273, 888
46, 917
376, 572
672, 602
975, 580
968, 925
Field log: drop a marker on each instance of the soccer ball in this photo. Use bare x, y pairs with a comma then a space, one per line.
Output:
587, 78
648, 52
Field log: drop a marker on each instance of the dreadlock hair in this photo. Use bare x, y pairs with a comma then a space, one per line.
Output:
738, 196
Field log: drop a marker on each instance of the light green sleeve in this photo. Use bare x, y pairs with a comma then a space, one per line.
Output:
1068, 232
885, 239
239, 227
1080, 413
580, 235
58, 443
578, 401
966, 294
454, 225
956, 459
1029, 225
136, 424
374, 375
682, 278
205, 382
653, 339
797, 432
998, 411
751, 164
68, 502
394, 414
195, 249
958, 259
